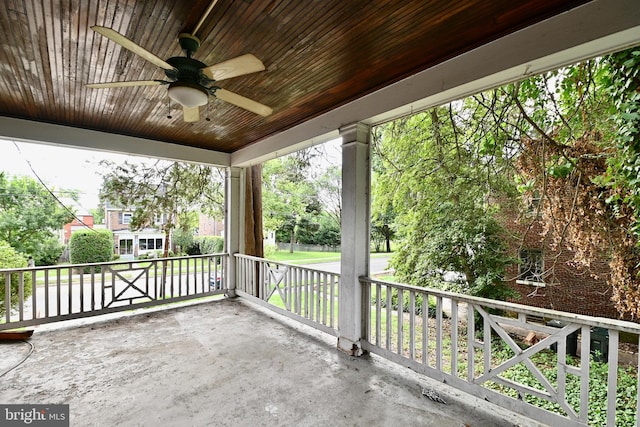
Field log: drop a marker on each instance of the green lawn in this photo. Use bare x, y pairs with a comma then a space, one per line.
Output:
303, 257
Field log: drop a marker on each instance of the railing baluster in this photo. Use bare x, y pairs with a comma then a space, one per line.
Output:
93, 290
58, 288
638, 387
471, 340
82, 291
378, 318
454, 337
7, 297
561, 367
324, 299
20, 295
425, 329
388, 313
412, 325
321, 280
612, 379
438, 333
69, 287
34, 299
103, 273
46, 293
486, 349
584, 373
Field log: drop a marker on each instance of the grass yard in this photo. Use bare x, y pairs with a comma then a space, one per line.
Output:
303, 257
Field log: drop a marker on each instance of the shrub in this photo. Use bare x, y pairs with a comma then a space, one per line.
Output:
210, 244
88, 246
10, 258
183, 239
48, 252
406, 303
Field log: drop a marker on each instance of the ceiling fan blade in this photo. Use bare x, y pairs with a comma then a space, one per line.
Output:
245, 64
204, 17
242, 102
132, 46
125, 84
191, 114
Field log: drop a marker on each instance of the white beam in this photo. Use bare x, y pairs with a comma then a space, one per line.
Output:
46, 133
596, 28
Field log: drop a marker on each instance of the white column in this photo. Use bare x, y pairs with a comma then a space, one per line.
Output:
233, 223
355, 236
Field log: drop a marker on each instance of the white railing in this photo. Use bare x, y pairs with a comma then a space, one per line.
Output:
40, 295
478, 345
305, 294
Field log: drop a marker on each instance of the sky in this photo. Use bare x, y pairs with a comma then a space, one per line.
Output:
77, 169
58, 167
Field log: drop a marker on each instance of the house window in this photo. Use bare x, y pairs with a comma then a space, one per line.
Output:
126, 246
150, 244
531, 269
160, 219
124, 217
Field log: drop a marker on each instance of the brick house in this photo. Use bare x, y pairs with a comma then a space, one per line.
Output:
130, 244
547, 277
80, 222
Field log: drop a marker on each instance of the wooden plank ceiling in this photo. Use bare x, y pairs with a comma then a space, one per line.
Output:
319, 54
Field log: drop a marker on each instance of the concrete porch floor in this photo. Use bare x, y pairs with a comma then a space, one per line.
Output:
224, 363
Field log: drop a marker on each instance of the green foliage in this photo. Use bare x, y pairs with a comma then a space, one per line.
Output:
623, 173
434, 174
90, 246
183, 239
406, 303
10, 258
301, 203
163, 188
322, 231
98, 214
29, 218
206, 245
598, 374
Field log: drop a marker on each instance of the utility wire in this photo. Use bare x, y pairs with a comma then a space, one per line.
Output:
49, 191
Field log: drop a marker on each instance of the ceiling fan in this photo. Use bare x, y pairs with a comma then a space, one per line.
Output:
190, 82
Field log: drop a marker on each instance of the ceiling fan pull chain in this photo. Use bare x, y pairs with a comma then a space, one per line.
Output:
207, 117
169, 116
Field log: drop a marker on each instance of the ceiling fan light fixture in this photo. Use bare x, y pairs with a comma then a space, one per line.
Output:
188, 95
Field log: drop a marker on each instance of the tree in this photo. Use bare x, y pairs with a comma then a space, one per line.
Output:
569, 138
290, 198
162, 188
98, 214
29, 217
437, 171
581, 159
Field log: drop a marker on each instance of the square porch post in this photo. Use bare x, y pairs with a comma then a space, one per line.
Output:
352, 310
233, 221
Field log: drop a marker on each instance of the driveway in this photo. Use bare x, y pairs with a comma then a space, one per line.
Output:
377, 264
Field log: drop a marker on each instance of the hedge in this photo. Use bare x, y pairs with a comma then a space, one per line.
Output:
9, 258
206, 245
88, 246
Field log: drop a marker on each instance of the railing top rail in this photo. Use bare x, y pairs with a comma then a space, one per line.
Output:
116, 262
601, 322
255, 258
